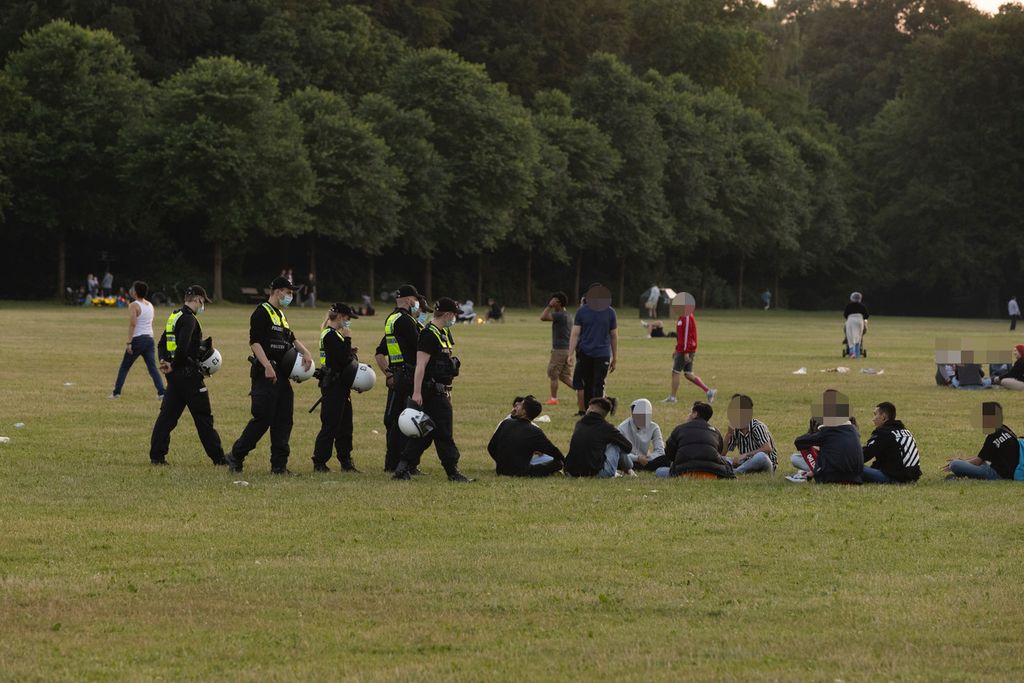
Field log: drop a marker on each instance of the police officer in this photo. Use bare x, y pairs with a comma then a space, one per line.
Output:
180, 349
436, 367
272, 398
401, 335
338, 365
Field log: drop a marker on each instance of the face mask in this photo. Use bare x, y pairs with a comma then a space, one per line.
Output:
422, 319
415, 308
346, 324
449, 323
202, 307
286, 300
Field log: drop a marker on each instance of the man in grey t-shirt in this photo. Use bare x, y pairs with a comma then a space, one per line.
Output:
560, 365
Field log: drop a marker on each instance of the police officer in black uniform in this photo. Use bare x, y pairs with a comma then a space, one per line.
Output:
338, 364
401, 335
273, 401
180, 349
436, 368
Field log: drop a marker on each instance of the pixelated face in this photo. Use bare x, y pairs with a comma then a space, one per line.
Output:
947, 350
987, 417
741, 412
683, 304
834, 408
599, 298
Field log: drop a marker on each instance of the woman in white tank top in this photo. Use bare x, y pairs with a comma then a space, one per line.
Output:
140, 340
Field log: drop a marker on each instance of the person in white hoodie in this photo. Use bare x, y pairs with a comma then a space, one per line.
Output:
644, 433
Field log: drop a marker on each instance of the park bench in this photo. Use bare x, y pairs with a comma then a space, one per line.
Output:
251, 294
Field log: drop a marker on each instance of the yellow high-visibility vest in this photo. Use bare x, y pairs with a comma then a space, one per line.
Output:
169, 336
323, 352
275, 318
395, 356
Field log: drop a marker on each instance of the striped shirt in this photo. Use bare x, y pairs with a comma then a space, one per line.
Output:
753, 439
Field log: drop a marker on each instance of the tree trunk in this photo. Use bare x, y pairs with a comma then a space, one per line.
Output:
704, 278
218, 280
776, 289
739, 286
622, 282
62, 274
529, 277
579, 272
428, 274
311, 281
480, 278
372, 277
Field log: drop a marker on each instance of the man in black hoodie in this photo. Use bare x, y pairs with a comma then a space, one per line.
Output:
999, 455
519, 448
893, 448
695, 446
597, 448
840, 459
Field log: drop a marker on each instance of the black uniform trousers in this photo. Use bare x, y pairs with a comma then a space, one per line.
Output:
272, 406
439, 408
398, 399
185, 389
335, 425
591, 373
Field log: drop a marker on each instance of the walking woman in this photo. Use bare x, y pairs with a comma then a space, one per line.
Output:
337, 370
140, 340
856, 315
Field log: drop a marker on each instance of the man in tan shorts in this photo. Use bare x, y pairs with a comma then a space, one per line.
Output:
560, 365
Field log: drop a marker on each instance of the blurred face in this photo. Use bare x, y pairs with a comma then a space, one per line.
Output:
641, 420
518, 410
878, 418
834, 408
740, 416
555, 304
599, 298
1015, 353
987, 418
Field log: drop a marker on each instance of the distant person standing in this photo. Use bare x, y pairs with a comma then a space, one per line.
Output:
686, 349
856, 316
1014, 310
653, 294
92, 285
766, 299
595, 342
559, 365
311, 290
140, 340
108, 283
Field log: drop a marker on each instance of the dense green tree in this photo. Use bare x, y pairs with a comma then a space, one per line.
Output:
423, 23
220, 152
637, 224
78, 90
486, 140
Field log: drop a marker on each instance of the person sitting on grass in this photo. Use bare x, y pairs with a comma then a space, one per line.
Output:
597, 448
893, 448
835, 445
519, 448
648, 452
999, 456
494, 311
750, 438
1014, 377
695, 447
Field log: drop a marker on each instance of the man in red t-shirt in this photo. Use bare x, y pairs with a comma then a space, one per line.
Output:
686, 349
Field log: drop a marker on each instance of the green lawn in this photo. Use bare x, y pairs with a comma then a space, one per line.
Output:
112, 569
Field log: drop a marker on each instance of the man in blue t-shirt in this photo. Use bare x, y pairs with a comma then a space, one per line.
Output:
595, 342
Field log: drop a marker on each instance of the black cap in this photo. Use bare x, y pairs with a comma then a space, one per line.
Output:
344, 309
196, 290
446, 305
405, 290
424, 306
281, 282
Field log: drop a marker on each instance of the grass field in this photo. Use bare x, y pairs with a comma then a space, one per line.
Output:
111, 569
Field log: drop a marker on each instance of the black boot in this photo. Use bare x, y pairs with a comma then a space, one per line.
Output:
455, 475
402, 472
320, 467
348, 466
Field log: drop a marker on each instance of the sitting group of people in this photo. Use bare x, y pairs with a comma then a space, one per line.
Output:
468, 315
829, 453
968, 374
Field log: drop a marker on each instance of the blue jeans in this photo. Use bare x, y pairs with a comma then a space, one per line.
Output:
873, 476
541, 460
758, 462
662, 472
962, 468
614, 459
144, 346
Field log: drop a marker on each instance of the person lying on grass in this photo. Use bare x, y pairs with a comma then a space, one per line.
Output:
1000, 453
520, 448
750, 438
597, 448
893, 449
696, 446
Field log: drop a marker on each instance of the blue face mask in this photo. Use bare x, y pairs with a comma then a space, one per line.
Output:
346, 324
415, 308
287, 299
449, 323
202, 307
422, 319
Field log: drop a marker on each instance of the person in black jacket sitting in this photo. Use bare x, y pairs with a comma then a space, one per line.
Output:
893, 448
519, 448
597, 448
839, 457
1014, 377
695, 446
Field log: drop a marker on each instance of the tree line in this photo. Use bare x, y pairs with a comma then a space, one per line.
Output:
811, 147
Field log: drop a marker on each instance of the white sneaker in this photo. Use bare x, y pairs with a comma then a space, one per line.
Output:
797, 478
711, 395
114, 396
669, 399
631, 473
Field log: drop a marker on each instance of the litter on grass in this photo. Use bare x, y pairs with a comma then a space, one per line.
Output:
543, 418
19, 425
69, 384
801, 371
842, 370
240, 482
872, 371
5, 439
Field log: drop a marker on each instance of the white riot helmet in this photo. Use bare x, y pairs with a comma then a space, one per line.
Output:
211, 363
415, 423
298, 373
365, 378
